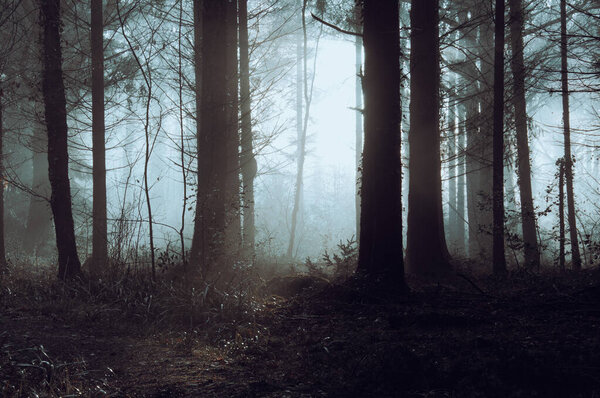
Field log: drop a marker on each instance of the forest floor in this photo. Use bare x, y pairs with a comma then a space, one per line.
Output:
524, 336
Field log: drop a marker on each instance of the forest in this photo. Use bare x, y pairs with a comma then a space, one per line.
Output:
300, 198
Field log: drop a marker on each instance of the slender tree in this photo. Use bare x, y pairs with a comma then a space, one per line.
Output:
499, 258
233, 221
427, 254
247, 159
99, 218
55, 106
301, 87
358, 131
564, 77
531, 249
380, 249
2, 242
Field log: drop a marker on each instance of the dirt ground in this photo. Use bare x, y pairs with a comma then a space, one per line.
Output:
528, 336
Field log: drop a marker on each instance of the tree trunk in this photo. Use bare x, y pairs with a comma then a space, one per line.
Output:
358, 48
485, 144
380, 249
99, 217
58, 159
499, 266
2, 241
301, 81
451, 142
39, 215
233, 217
531, 249
561, 214
564, 77
248, 161
460, 183
427, 254
210, 31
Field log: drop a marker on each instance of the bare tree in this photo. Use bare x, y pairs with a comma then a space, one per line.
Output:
99, 216
69, 265
564, 77
499, 259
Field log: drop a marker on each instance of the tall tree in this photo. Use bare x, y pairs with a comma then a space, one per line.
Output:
380, 249
564, 77
210, 31
301, 125
499, 258
531, 249
55, 106
2, 242
99, 217
233, 222
427, 253
247, 159
358, 131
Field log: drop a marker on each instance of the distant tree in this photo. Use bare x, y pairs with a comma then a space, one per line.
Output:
2, 182
568, 160
380, 249
499, 266
247, 159
99, 217
427, 254
69, 266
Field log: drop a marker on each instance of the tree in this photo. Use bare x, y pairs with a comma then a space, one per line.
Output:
69, 266
499, 259
247, 160
531, 249
211, 126
380, 248
99, 217
568, 160
2, 241
427, 254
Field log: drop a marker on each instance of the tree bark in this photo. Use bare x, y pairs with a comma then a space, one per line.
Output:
99, 215
427, 254
69, 265
528, 223
39, 215
499, 266
564, 77
358, 132
233, 217
210, 31
2, 183
248, 161
301, 82
380, 249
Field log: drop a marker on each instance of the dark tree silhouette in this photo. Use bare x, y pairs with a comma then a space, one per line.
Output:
499, 259
531, 249
99, 228
69, 265
211, 125
564, 77
247, 160
2, 179
427, 254
380, 250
